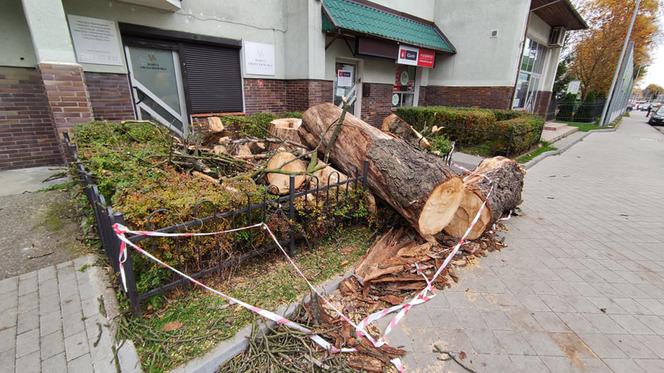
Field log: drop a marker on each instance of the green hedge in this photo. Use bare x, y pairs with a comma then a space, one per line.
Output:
505, 132
465, 126
516, 136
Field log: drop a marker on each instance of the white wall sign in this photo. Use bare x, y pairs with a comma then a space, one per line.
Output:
344, 78
95, 40
574, 87
258, 58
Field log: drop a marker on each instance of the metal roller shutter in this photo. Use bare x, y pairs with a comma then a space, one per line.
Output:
213, 79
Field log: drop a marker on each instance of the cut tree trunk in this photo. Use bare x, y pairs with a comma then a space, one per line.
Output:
507, 176
418, 185
285, 128
286, 163
399, 127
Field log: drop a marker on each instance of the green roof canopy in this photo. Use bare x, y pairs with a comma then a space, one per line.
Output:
366, 18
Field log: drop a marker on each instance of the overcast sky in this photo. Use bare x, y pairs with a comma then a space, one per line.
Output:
655, 72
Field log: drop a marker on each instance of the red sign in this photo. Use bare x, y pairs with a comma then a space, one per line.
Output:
426, 58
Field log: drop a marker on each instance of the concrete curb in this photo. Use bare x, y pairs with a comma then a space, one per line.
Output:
228, 349
125, 351
544, 155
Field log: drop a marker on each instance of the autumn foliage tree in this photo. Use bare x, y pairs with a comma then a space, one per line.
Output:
652, 91
596, 51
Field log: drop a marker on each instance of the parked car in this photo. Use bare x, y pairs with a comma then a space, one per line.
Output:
657, 118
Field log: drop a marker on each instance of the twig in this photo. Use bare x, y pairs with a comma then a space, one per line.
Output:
437, 349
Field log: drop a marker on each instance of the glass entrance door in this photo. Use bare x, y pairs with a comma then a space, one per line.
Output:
346, 80
156, 81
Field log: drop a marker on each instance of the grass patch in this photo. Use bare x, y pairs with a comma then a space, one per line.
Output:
543, 147
583, 127
198, 320
483, 150
57, 215
66, 185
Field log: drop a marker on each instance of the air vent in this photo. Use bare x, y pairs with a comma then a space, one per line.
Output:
557, 36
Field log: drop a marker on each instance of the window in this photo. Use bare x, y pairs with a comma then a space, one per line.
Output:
530, 75
403, 91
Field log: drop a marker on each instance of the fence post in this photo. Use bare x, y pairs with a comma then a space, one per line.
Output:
291, 214
132, 291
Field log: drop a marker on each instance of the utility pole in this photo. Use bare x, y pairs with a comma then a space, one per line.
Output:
619, 64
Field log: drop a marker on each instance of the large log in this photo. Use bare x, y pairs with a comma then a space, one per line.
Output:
399, 127
507, 176
416, 184
285, 163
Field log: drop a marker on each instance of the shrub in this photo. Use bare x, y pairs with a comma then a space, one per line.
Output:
566, 108
464, 125
441, 144
590, 110
503, 114
518, 135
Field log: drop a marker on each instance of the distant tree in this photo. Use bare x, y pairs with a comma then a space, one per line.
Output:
652, 91
563, 77
596, 50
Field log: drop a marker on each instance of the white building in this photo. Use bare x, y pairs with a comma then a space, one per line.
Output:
69, 61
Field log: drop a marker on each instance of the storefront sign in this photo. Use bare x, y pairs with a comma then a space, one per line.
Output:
344, 78
416, 56
95, 40
258, 58
426, 58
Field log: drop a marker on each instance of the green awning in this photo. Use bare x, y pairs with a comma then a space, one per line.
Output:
366, 18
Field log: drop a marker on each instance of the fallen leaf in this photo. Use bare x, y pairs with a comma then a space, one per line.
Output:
173, 325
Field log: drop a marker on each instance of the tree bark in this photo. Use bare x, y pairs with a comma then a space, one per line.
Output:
395, 125
507, 177
416, 184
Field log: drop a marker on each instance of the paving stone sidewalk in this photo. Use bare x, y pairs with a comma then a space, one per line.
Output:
580, 287
55, 320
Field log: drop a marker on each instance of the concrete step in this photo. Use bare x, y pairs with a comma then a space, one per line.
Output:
557, 134
553, 126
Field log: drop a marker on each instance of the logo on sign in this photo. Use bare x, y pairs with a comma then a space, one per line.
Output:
410, 55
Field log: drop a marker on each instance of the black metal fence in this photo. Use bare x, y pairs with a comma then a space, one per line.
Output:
251, 213
578, 111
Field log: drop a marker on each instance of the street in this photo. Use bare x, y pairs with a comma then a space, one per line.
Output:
580, 286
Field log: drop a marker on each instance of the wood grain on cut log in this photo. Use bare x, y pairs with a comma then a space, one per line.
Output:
286, 163
328, 175
507, 176
420, 186
399, 127
285, 128
215, 124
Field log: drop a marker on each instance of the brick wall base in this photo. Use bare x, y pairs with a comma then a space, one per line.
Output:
278, 96
376, 102
485, 97
67, 95
542, 103
110, 96
27, 135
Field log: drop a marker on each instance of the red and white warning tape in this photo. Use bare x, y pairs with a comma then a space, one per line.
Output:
121, 231
360, 329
